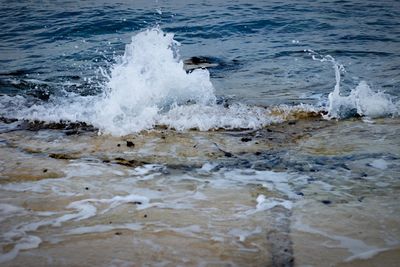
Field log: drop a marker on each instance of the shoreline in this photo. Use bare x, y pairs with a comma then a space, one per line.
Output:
199, 194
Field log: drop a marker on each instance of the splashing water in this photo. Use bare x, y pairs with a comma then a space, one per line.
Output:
362, 100
148, 86
147, 80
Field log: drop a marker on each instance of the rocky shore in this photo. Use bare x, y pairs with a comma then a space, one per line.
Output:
291, 194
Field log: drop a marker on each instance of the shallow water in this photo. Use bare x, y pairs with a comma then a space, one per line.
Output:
210, 198
260, 45
116, 151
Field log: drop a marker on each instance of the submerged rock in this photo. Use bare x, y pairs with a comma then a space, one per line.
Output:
246, 139
130, 144
129, 163
326, 202
198, 63
63, 156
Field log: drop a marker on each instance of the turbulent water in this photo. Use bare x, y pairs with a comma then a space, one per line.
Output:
103, 118
69, 63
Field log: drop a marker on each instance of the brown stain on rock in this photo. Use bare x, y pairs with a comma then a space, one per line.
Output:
20, 175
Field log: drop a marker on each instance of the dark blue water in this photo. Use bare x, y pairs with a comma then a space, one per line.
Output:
49, 46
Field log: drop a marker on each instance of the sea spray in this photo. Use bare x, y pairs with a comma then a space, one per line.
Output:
362, 100
149, 80
146, 87
144, 83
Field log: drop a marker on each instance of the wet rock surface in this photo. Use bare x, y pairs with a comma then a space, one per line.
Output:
197, 193
279, 238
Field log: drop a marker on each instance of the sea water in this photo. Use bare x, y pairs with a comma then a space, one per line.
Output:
288, 144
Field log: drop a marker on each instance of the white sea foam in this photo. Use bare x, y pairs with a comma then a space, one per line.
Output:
27, 242
362, 100
275, 181
147, 86
243, 234
193, 230
80, 210
379, 164
264, 204
356, 247
147, 81
7, 210
367, 255
213, 117
207, 167
103, 228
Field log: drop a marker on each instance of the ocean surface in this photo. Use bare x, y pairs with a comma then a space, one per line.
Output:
282, 150
51, 50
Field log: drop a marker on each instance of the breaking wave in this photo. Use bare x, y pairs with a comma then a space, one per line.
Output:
148, 86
